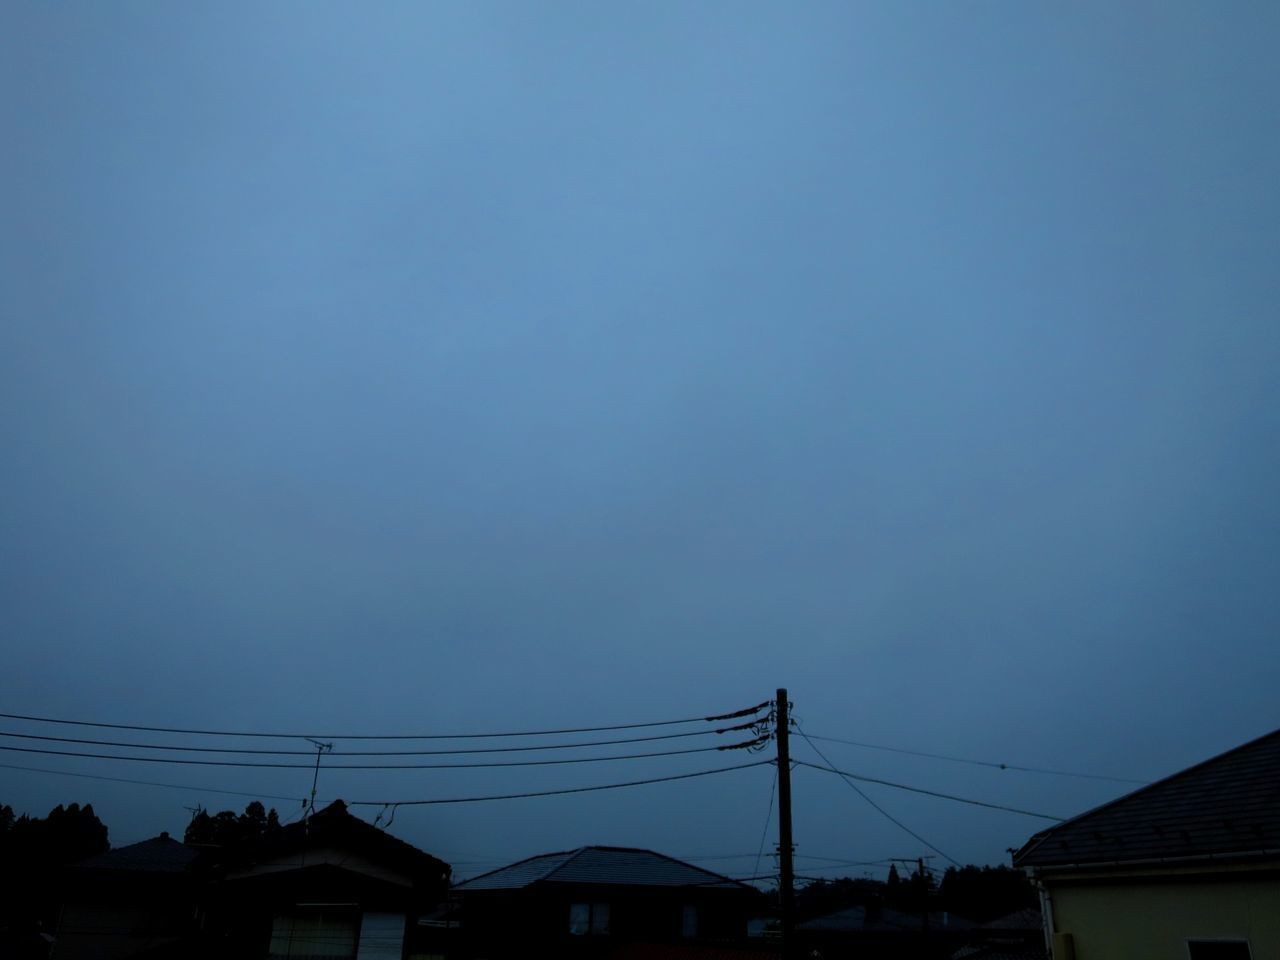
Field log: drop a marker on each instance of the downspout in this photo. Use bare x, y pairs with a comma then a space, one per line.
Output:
1046, 912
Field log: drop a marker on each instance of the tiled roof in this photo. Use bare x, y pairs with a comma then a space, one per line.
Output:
160, 854
1228, 806
337, 826
600, 865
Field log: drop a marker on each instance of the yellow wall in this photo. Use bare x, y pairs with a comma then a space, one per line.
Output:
1143, 917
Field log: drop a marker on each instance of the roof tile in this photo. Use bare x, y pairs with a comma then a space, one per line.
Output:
1226, 806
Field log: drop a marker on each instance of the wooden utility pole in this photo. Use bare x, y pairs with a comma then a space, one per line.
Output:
786, 880
924, 894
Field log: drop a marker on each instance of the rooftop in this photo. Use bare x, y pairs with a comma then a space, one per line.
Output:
1225, 807
601, 865
335, 825
160, 854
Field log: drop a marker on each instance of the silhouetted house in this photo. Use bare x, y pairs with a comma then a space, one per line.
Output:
1186, 867
332, 886
129, 900
595, 901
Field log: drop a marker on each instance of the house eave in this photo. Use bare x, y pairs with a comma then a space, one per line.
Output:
1244, 858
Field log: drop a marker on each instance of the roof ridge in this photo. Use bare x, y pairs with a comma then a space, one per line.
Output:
693, 866
572, 855
536, 856
718, 877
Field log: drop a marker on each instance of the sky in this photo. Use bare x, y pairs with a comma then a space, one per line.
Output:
439, 368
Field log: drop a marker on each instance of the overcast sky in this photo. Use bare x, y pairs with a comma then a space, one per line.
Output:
439, 367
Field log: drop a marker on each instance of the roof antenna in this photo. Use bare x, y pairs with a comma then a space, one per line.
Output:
321, 748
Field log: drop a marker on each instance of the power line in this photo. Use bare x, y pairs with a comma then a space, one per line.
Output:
381, 766
148, 783
837, 861
767, 817
186, 748
748, 711
978, 763
928, 793
555, 793
856, 789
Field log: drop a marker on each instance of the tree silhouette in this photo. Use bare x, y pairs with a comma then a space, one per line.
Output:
227, 828
34, 850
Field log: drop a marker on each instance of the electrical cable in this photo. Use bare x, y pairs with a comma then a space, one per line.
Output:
374, 753
883, 812
979, 763
555, 793
931, 793
148, 783
381, 766
845, 863
385, 736
767, 817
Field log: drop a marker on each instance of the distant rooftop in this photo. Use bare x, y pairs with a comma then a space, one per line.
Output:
600, 865
336, 825
160, 854
882, 920
1227, 806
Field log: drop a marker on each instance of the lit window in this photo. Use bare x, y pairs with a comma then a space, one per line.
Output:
588, 919
689, 921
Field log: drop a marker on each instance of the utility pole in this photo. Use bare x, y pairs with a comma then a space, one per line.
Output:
786, 880
924, 894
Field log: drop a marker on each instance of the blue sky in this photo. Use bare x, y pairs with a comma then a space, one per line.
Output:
456, 367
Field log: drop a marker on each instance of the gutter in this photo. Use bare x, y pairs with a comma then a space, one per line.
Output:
1152, 861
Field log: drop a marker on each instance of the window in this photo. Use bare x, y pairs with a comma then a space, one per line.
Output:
588, 919
689, 921
1218, 949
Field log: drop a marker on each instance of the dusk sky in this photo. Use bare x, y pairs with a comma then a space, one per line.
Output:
444, 367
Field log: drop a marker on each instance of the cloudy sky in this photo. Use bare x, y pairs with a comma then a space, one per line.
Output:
433, 368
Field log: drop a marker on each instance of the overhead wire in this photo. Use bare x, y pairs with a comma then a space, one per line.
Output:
747, 711
148, 783
881, 810
381, 766
186, 748
768, 817
978, 763
555, 793
931, 793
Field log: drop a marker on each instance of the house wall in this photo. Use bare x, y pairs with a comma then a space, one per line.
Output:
117, 914
103, 931
511, 923
1145, 918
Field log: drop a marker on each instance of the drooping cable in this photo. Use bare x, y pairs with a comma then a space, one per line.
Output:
488, 764
881, 810
556, 793
931, 793
978, 763
382, 736
768, 817
149, 783
527, 748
